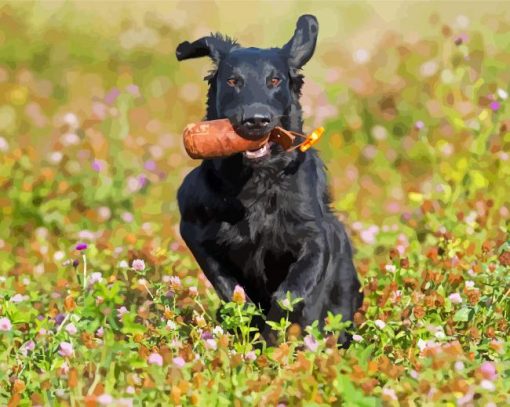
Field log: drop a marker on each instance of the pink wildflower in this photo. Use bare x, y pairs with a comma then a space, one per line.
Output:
211, 344
5, 324
311, 343
251, 356
121, 311
155, 359
138, 265
488, 370
66, 349
71, 329
64, 369
105, 399
179, 362
455, 298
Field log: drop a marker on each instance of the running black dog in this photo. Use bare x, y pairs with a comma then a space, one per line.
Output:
262, 219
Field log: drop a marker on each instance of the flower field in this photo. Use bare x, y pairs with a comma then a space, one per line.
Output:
101, 303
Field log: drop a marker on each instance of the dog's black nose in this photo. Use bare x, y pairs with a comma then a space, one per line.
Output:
257, 121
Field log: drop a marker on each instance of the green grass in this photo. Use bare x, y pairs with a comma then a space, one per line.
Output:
417, 144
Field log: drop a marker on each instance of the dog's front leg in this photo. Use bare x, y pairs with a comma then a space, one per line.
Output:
218, 274
302, 278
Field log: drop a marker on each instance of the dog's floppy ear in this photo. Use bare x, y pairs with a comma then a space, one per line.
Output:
301, 46
214, 46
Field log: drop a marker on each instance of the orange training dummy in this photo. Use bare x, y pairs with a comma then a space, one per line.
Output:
217, 138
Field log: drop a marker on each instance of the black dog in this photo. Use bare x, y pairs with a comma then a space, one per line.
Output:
262, 219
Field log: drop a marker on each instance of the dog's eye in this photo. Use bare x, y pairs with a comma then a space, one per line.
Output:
275, 82
232, 82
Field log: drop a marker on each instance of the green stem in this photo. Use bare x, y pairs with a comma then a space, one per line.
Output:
63, 322
84, 272
149, 291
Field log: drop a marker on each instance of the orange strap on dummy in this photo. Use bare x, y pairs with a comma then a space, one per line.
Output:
286, 138
311, 139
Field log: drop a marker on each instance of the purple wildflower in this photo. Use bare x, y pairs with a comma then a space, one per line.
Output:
81, 246
150, 165
111, 96
59, 318
495, 106
142, 180
97, 165
207, 335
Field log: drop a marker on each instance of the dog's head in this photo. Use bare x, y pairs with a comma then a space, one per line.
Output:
256, 89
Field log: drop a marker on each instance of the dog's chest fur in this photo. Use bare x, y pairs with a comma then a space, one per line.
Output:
258, 241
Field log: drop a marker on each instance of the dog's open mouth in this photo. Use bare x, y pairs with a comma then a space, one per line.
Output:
259, 152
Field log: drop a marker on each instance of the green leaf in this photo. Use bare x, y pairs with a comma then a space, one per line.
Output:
462, 315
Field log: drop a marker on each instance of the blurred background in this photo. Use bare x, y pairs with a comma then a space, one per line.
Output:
413, 96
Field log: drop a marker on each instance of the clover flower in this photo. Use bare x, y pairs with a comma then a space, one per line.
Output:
66, 349
488, 370
71, 329
121, 311
218, 330
175, 283
105, 399
311, 343
239, 296
179, 362
64, 368
155, 359
138, 265
95, 277
17, 298
210, 344
251, 356
193, 291
455, 298
379, 323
